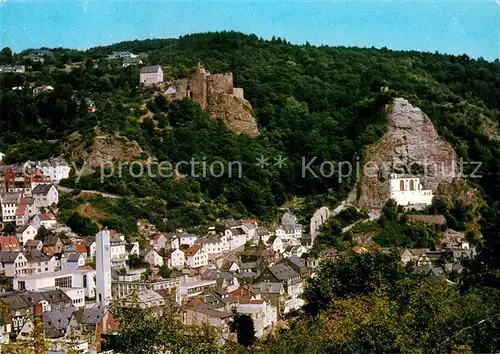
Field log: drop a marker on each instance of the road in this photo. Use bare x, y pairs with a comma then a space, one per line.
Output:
69, 190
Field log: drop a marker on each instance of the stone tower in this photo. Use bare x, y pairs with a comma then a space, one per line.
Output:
199, 86
103, 268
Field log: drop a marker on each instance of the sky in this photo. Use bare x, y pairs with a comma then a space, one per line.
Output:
456, 27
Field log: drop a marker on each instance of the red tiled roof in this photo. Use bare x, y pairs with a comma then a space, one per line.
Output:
81, 248
46, 217
7, 242
191, 251
240, 292
87, 267
21, 210
249, 221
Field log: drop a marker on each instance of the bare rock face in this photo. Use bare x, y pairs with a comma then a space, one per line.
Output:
104, 150
236, 112
411, 145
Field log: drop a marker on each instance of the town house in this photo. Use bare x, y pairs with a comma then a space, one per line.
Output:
52, 245
25, 233
176, 259
9, 204
119, 254
291, 280
151, 257
196, 256
55, 168
9, 243
45, 195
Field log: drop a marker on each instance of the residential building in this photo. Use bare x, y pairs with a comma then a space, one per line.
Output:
17, 263
119, 254
236, 237
123, 55
9, 243
45, 195
150, 75
9, 203
25, 233
52, 245
131, 61
91, 247
194, 286
291, 281
298, 251
151, 257
46, 220
73, 261
196, 256
133, 248
187, 239
160, 241
22, 215
263, 314
276, 244
203, 314
290, 227
213, 245
12, 68
43, 88
175, 259
12, 262
55, 168
31, 245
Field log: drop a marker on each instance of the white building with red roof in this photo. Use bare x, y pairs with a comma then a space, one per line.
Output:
196, 256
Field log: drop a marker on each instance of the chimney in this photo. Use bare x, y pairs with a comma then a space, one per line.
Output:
37, 308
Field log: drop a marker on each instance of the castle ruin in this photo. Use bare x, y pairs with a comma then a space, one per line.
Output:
201, 85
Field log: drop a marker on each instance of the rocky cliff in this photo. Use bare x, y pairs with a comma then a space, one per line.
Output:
410, 145
103, 149
236, 112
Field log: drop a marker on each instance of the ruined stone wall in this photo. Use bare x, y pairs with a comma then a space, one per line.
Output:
198, 86
182, 89
221, 83
238, 92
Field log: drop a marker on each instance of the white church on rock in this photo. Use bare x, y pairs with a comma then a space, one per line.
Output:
407, 190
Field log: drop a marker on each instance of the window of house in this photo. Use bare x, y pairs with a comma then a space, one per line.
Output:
64, 282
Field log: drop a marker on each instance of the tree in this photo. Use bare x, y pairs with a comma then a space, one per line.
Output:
9, 228
42, 234
6, 56
164, 272
352, 275
244, 327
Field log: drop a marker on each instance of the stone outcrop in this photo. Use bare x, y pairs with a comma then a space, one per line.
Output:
235, 112
410, 145
105, 149
217, 94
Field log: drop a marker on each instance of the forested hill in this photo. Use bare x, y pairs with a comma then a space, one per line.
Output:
323, 102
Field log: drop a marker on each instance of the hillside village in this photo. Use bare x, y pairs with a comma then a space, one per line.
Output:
249, 268
68, 285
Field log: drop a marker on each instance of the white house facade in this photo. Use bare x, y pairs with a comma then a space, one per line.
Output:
151, 75
407, 190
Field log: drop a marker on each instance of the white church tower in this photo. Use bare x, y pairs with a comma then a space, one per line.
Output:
103, 268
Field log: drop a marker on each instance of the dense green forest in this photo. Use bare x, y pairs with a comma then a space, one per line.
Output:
309, 101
